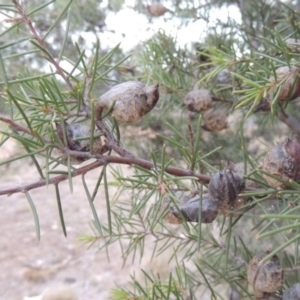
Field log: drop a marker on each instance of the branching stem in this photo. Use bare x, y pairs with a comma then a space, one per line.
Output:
41, 42
102, 160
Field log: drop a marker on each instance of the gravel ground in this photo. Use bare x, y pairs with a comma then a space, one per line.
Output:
55, 268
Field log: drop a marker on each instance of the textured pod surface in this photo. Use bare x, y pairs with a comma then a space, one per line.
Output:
293, 150
234, 209
75, 131
224, 186
293, 45
288, 80
198, 100
239, 169
78, 139
190, 211
283, 161
264, 277
131, 99
156, 9
293, 293
214, 119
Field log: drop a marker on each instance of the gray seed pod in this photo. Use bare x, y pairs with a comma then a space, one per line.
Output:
239, 169
198, 100
190, 210
293, 45
293, 293
214, 120
264, 277
288, 80
227, 209
77, 135
132, 101
283, 161
73, 132
224, 186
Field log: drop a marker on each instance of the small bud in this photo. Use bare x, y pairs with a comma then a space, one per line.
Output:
75, 131
78, 139
264, 277
130, 100
283, 161
190, 211
224, 186
293, 293
198, 100
214, 119
239, 169
156, 9
293, 45
288, 81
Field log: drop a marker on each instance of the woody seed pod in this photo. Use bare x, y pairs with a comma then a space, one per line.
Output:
239, 169
198, 100
293, 45
190, 211
214, 119
235, 208
283, 161
293, 293
224, 186
78, 139
130, 100
264, 277
288, 81
156, 9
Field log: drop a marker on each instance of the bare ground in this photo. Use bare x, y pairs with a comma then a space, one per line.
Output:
54, 268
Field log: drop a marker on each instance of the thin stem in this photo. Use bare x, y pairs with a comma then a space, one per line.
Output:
290, 121
55, 180
21, 128
112, 143
296, 268
41, 42
102, 160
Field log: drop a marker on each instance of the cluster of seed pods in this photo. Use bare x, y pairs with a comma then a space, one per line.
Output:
221, 196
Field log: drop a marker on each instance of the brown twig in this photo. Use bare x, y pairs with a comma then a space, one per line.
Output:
54, 180
220, 99
102, 160
112, 142
289, 121
126, 158
15, 125
293, 269
19, 127
41, 42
